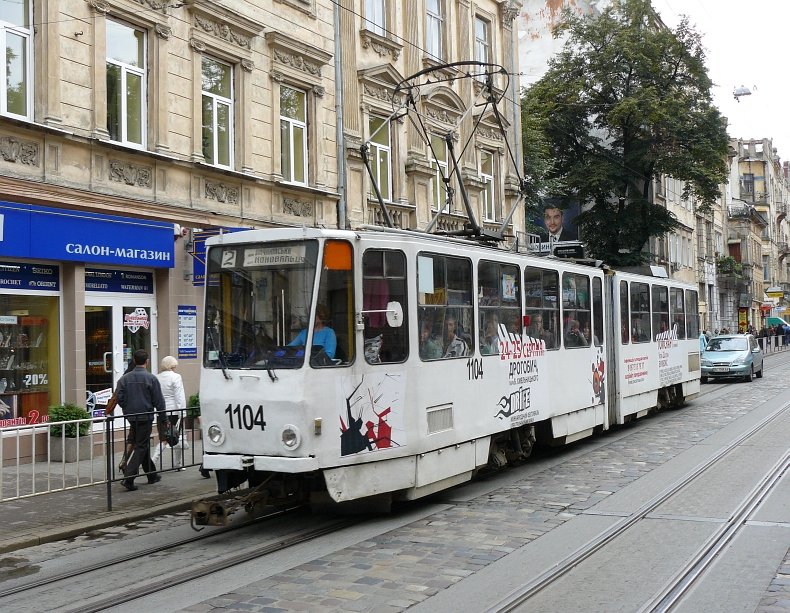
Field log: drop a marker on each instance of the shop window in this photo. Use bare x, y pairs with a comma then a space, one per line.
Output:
446, 313
29, 358
384, 283
541, 297
499, 305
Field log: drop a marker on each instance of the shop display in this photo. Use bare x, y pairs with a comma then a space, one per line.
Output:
24, 368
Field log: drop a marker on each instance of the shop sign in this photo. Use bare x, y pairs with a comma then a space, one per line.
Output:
187, 331
125, 281
36, 277
198, 252
136, 319
29, 231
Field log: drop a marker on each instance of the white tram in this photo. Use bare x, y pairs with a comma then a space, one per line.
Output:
383, 362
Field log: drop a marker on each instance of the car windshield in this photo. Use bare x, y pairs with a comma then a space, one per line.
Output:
728, 344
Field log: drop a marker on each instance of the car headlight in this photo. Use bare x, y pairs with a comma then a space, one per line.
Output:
706, 363
739, 361
215, 434
290, 437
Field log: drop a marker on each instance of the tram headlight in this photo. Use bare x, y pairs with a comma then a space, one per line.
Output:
290, 437
215, 434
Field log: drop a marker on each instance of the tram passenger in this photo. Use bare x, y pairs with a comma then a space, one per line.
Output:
323, 336
537, 331
489, 340
574, 336
455, 346
430, 347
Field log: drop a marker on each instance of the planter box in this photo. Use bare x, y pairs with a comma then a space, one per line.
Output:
72, 453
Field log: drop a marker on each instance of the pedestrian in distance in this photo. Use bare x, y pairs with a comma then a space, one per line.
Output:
176, 403
140, 395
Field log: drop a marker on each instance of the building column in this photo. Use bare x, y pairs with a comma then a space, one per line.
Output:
73, 333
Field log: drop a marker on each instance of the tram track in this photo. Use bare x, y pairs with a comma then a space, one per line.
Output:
204, 570
674, 589
143, 553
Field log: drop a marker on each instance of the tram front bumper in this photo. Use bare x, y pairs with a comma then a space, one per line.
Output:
261, 463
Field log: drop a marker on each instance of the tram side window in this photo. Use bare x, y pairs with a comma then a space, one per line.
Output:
336, 300
541, 296
575, 310
677, 311
692, 318
640, 313
446, 314
384, 282
597, 312
499, 301
624, 318
660, 308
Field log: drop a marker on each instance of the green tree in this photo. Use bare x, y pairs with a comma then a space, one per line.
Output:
625, 101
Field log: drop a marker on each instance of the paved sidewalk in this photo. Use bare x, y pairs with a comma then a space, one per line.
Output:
64, 514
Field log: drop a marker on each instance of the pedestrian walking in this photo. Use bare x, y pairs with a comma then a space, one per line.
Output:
140, 395
176, 403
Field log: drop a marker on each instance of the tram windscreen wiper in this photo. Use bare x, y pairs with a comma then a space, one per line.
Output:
211, 335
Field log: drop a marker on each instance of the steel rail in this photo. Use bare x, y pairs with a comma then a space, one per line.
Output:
520, 595
142, 553
679, 585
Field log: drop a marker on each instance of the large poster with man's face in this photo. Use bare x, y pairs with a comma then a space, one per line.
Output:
557, 223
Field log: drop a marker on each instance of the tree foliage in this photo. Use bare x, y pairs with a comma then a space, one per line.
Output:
626, 101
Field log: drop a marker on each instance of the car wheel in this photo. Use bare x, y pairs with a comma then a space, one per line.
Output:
760, 372
703, 379
750, 377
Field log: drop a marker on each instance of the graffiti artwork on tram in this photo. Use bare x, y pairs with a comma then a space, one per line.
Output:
526, 393
670, 366
370, 411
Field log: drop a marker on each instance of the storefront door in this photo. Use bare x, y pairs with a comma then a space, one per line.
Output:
114, 330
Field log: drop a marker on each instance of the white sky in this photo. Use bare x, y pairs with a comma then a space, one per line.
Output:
746, 43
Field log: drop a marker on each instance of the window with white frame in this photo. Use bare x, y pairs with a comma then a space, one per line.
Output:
381, 156
439, 162
487, 178
16, 47
126, 96
293, 135
375, 16
217, 111
482, 40
434, 25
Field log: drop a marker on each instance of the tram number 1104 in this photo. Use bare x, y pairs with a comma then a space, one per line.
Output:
245, 417
474, 367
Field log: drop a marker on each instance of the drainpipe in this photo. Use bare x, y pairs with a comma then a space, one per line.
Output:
341, 148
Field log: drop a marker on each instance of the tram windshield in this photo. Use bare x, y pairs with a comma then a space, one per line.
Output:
257, 301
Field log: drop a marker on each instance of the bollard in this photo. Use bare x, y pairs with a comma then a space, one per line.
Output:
109, 453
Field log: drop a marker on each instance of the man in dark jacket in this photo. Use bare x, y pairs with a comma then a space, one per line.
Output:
140, 395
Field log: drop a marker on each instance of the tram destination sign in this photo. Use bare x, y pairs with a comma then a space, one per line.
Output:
286, 255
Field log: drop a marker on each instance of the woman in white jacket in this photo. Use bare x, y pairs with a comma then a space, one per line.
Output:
175, 403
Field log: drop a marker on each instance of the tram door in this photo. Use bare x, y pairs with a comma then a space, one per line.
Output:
113, 332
